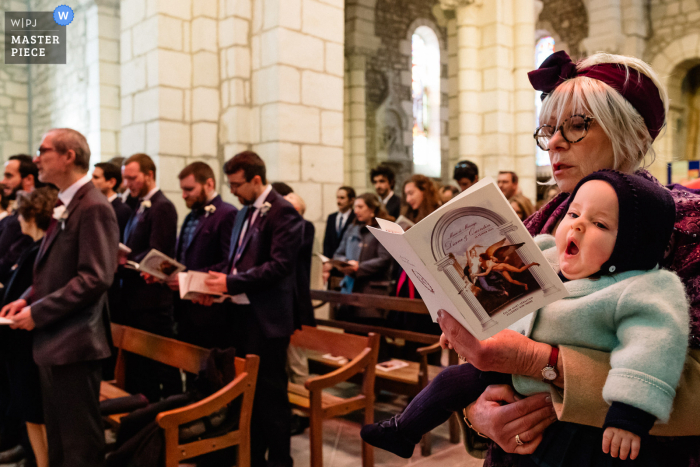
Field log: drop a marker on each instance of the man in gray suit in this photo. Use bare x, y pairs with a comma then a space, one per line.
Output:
67, 303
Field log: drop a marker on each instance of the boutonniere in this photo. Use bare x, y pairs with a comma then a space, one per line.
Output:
210, 209
264, 208
145, 204
60, 214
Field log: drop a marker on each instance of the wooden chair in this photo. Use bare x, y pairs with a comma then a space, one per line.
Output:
362, 354
190, 359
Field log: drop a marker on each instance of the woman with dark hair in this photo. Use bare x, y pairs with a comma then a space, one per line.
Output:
368, 261
603, 112
35, 211
522, 206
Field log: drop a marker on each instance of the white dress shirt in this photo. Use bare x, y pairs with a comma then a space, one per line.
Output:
66, 196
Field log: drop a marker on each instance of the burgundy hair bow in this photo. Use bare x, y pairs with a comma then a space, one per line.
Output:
637, 88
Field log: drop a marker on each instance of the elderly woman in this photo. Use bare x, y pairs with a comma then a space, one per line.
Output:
601, 113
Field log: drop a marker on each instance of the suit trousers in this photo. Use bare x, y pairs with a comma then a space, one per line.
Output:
270, 429
72, 414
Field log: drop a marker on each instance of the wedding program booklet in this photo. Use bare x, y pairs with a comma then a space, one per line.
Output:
474, 259
192, 286
158, 265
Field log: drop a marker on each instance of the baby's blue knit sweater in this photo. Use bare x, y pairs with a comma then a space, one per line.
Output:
641, 317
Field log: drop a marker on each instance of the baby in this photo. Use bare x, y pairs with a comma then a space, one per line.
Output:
608, 246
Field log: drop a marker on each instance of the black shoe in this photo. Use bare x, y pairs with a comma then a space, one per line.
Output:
13, 455
385, 435
299, 424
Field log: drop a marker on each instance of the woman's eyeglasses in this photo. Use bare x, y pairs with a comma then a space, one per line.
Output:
573, 130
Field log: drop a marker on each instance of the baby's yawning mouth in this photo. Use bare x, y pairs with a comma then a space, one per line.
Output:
571, 248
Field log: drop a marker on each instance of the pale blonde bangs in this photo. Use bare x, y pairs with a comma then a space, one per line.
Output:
623, 125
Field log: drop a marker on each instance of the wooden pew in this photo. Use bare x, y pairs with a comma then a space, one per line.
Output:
409, 380
361, 353
189, 358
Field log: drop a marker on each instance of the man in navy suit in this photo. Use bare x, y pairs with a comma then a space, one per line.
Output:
148, 305
338, 222
203, 245
107, 178
265, 246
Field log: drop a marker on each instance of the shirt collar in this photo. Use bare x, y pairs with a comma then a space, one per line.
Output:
113, 197
388, 197
261, 199
212, 196
66, 196
345, 215
150, 194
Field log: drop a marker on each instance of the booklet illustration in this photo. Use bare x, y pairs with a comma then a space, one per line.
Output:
192, 286
158, 265
474, 259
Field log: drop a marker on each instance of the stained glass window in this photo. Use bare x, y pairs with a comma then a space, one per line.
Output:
543, 49
425, 93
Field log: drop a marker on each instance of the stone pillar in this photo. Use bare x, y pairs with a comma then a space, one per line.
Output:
297, 81
604, 27
356, 170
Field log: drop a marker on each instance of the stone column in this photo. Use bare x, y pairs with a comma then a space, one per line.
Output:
297, 81
604, 27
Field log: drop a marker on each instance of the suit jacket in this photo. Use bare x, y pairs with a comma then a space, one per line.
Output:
12, 244
68, 297
305, 311
123, 213
154, 227
20, 280
210, 243
331, 239
266, 263
393, 206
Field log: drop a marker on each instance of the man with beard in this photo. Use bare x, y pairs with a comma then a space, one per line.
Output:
148, 305
203, 245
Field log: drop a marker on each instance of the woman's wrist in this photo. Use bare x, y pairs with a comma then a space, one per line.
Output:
540, 355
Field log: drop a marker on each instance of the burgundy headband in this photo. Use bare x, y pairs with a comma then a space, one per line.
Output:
639, 89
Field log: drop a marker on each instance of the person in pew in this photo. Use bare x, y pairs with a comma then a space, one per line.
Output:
368, 261
148, 305
203, 245
35, 211
338, 222
66, 305
262, 264
384, 179
107, 178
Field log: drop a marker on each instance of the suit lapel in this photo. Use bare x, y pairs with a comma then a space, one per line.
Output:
202, 221
259, 221
55, 232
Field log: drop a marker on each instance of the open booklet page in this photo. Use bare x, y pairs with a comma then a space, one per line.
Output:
192, 285
474, 258
160, 266
5, 321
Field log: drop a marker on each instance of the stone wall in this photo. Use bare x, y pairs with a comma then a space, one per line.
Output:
14, 122
567, 22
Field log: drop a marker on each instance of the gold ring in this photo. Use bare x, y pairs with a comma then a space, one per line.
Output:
517, 441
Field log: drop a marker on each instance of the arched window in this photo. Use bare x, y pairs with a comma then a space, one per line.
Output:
543, 49
426, 101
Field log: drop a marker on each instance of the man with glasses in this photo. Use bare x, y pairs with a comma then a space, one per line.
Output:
262, 264
66, 306
466, 174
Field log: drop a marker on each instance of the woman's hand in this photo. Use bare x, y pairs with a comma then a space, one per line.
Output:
526, 418
351, 269
505, 352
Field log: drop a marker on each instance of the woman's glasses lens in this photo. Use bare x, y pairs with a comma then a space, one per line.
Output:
573, 129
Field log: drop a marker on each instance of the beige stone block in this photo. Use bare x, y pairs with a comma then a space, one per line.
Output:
498, 122
493, 101
283, 161
187, 36
152, 139
238, 62
188, 105
205, 104
689, 44
467, 58
496, 56
227, 32
208, 8
322, 90
292, 123
256, 52
332, 128
321, 164
292, 48
277, 84
468, 146
498, 78
497, 34
169, 32
358, 128
20, 134
133, 139
284, 13
170, 103
237, 93
324, 21
204, 139
335, 59
257, 17
256, 125
168, 169
178, 8
109, 50
312, 194
145, 36
133, 76
110, 73
10, 148
235, 125
469, 36
241, 8
125, 46
469, 80
108, 142
132, 12
146, 105
127, 109
152, 68
470, 123
21, 106
174, 138
174, 69
204, 34
525, 146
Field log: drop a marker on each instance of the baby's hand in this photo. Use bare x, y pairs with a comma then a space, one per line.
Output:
617, 440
